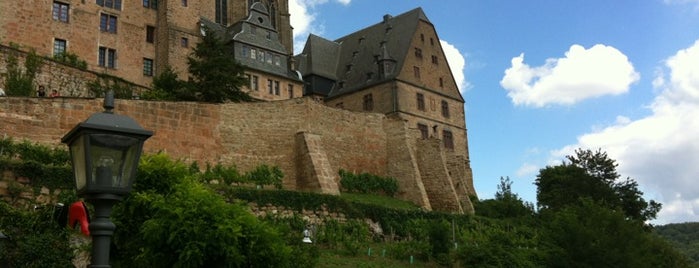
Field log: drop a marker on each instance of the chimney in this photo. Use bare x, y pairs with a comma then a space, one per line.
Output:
386, 18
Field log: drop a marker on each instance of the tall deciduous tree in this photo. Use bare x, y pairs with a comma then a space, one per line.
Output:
216, 75
592, 175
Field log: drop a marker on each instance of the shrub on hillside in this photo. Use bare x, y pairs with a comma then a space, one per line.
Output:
367, 183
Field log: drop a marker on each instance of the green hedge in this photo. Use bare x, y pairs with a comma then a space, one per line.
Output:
367, 183
392, 221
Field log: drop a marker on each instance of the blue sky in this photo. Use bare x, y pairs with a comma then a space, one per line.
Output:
542, 78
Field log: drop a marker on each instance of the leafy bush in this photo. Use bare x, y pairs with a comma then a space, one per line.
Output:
71, 59
367, 183
265, 175
228, 175
44, 166
35, 239
103, 83
172, 220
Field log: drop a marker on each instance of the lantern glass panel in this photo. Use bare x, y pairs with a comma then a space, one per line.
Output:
77, 152
113, 159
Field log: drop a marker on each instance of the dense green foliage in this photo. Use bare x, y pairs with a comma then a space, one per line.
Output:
683, 236
103, 83
592, 176
71, 59
261, 176
166, 86
505, 205
591, 218
20, 81
35, 239
172, 219
47, 167
367, 183
216, 76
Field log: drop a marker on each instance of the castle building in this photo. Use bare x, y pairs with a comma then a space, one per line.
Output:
135, 39
395, 67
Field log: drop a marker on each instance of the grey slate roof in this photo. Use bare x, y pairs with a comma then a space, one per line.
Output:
352, 60
256, 31
319, 57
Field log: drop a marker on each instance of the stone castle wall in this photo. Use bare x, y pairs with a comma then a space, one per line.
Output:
309, 141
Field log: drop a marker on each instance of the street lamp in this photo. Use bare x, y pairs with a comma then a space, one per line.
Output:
105, 150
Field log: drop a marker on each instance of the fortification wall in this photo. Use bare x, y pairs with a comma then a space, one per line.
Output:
309, 141
247, 134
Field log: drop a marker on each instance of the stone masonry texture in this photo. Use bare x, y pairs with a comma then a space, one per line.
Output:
301, 136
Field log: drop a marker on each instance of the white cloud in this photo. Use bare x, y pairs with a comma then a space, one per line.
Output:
581, 74
527, 170
303, 20
457, 63
660, 151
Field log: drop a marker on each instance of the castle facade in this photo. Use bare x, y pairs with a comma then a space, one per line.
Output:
395, 68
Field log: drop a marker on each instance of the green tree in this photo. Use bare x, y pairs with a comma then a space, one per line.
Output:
506, 203
592, 175
589, 234
216, 75
166, 86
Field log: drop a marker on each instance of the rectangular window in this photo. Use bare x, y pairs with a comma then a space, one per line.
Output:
184, 42
423, 131
277, 60
441, 82
114, 4
431, 41
269, 58
59, 46
150, 4
368, 102
108, 23
270, 86
418, 52
261, 55
60, 11
435, 60
107, 57
445, 108
147, 67
253, 53
276, 88
416, 71
184, 3
221, 12
150, 34
420, 101
254, 84
245, 52
291, 91
448, 139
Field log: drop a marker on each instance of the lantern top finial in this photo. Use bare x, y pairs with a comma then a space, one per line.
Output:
109, 102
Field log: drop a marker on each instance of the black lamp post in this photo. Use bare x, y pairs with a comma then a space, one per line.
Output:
105, 150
